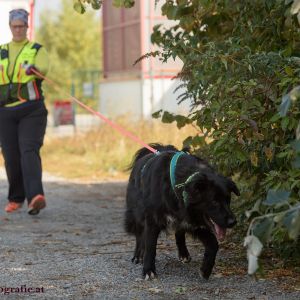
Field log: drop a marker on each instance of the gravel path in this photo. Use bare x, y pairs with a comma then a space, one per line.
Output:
77, 249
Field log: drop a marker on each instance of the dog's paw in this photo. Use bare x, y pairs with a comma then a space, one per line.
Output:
185, 259
136, 260
205, 273
150, 275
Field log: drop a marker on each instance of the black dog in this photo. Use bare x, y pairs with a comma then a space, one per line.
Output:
182, 189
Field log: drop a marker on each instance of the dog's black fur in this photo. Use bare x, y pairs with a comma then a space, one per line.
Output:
152, 205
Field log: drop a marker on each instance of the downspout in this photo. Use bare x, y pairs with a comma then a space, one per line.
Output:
151, 71
143, 51
31, 20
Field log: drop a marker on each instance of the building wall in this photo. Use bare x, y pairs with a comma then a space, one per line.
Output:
148, 86
121, 98
121, 41
160, 94
140, 98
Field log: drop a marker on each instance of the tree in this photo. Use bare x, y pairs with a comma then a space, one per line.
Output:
74, 45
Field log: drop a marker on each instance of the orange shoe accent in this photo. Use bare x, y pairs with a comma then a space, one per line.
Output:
12, 206
37, 203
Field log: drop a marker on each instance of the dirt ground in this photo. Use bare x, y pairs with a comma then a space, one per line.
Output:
77, 249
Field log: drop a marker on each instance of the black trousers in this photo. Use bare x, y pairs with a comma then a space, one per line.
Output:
22, 131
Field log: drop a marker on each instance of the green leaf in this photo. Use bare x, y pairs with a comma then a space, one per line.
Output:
96, 4
167, 117
275, 197
79, 7
275, 118
224, 61
240, 155
289, 71
292, 223
157, 114
198, 141
188, 141
129, 3
170, 10
284, 123
181, 121
187, 23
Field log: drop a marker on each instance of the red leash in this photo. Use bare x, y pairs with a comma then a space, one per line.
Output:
102, 117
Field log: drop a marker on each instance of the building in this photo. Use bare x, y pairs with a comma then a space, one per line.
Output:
6, 6
141, 89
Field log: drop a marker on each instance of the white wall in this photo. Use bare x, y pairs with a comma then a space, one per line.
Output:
120, 98
5, 7
160, 94
140, 98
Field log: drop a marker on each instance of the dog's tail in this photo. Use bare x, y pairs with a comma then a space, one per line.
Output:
144, 151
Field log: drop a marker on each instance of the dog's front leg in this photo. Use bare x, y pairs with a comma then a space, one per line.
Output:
211, 248
150, 236
183, 252
139, 248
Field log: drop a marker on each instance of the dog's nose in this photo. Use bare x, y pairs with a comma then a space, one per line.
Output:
231, 222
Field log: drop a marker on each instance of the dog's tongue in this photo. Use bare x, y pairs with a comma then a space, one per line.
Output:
221, 232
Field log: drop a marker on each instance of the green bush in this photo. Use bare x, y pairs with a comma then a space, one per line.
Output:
241, 71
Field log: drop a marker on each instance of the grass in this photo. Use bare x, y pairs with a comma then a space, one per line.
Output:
103, 153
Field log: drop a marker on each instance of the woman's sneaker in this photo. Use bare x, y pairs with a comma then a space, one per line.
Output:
37, 203
12, 206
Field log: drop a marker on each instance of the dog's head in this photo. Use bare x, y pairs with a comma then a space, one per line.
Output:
208, 199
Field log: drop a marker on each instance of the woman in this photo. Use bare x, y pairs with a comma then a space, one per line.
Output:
23, 115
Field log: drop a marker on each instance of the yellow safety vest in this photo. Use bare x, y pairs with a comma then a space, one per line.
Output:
20, 87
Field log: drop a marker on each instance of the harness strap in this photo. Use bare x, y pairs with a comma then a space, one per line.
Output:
173, 164
189, 179
185, 195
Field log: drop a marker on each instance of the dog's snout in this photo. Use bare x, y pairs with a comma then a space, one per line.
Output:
231, 222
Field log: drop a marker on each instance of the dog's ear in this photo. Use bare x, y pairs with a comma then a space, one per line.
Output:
232, 187
186, 149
